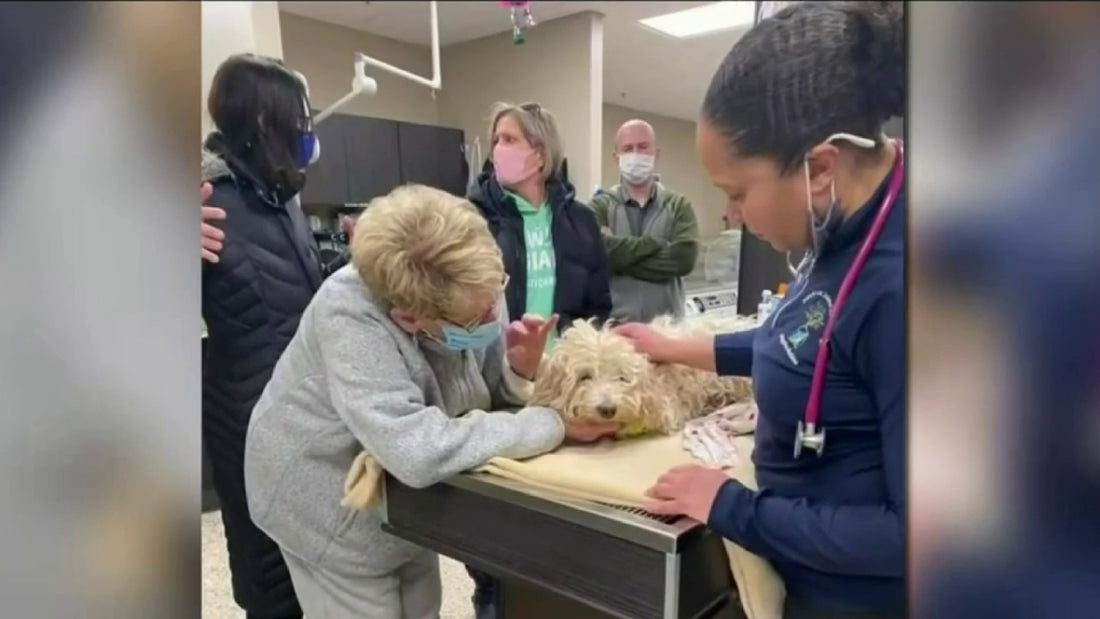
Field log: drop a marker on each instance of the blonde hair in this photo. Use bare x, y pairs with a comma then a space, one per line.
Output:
538, 126
427, 252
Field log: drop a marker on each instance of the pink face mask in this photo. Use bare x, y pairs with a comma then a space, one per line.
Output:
513, 164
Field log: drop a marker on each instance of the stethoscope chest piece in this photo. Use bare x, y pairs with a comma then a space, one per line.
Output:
809, 437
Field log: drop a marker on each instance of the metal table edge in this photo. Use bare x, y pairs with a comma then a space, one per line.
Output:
653, 534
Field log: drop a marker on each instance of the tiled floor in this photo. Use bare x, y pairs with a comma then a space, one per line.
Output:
217, 597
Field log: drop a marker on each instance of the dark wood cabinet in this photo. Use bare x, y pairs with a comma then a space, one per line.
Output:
327, 179
373, 157
433, 156
363, 158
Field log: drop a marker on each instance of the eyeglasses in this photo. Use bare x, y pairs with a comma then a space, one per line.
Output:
480, 320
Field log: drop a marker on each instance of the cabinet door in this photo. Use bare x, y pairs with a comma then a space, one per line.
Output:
433, 156
373, 157
327, 179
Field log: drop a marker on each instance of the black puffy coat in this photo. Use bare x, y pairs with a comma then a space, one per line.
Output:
252, 300
583, 280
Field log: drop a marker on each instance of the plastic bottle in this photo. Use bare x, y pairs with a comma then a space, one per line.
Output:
774, 303
766, 306
777, 298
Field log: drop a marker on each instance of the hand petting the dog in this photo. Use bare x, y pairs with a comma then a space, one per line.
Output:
686, 490
525, 340
648, 341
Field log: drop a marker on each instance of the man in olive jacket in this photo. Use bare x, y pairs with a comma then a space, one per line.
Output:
651, 233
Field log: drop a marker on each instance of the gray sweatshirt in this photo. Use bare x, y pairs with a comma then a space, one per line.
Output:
351, 379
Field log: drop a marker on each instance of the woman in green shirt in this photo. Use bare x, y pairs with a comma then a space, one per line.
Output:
551, 244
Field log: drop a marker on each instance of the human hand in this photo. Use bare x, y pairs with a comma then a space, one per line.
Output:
686, 490
659, 348
605, 231
347, 224
525, 340
590, 431
212, 236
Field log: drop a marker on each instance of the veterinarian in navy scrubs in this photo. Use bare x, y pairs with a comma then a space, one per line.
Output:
791, 130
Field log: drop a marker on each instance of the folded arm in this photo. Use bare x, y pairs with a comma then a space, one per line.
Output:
677, 259
419, 444
622, 251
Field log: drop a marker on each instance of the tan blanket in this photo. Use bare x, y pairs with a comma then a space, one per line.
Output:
619, 473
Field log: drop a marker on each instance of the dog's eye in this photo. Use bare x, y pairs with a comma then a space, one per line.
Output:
584, 376
623, 379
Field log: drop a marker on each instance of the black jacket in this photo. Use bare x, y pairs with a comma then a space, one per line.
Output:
253, 298
583, 281
252, 301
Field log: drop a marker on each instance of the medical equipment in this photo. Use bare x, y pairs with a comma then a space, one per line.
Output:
361, 84
765, 307
712, 302
709, 438
521, 19
808, 435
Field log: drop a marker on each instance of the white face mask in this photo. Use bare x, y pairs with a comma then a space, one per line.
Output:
636, 168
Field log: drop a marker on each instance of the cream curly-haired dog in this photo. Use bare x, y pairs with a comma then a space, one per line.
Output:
595, 374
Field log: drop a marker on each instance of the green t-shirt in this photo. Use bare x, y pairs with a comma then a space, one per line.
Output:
541, 273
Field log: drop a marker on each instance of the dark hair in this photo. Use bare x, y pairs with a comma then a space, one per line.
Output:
811, 70
259, 108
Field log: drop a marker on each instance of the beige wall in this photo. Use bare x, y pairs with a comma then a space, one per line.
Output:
325, 54
560, 66
679, 168
267, 29
233, 28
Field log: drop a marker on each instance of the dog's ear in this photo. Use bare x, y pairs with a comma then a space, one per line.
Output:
549, 387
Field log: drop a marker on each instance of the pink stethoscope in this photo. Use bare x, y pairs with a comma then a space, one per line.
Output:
808, 435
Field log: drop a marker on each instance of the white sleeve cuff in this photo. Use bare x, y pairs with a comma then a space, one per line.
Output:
517, 385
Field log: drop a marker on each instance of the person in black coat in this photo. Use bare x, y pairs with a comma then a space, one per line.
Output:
254, 290
551, 244
524, 193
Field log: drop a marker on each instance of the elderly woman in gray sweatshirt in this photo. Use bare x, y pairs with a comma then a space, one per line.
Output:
400, 354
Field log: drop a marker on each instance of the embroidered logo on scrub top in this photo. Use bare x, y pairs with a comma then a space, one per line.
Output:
816, 307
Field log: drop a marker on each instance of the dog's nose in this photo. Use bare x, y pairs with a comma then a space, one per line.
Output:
606, 411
